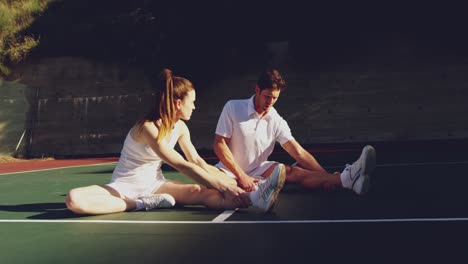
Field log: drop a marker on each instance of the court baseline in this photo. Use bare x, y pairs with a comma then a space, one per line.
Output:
325, 221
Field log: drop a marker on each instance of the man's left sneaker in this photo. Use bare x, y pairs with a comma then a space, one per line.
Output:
360, 171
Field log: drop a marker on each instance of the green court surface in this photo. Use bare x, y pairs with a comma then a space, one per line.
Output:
409, 211
41, 195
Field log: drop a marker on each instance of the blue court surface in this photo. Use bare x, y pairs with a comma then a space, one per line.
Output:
416, 211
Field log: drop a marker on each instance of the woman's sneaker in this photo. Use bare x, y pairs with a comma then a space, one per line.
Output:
267, 190
158, 201
360, 171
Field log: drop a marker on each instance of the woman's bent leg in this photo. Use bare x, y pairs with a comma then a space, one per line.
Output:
97, 199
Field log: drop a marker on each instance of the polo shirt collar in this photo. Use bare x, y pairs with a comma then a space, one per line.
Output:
251, 108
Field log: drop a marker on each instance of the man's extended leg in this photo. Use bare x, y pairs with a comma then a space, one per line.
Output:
355, 176
312, 179
306, 178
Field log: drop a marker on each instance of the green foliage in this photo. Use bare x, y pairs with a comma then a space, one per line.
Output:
15, 17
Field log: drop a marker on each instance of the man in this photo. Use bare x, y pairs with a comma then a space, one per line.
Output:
246, 134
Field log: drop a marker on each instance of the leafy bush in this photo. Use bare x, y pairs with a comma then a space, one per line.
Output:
15, 17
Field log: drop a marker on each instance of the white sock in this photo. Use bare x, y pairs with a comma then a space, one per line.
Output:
345, 179
139, 205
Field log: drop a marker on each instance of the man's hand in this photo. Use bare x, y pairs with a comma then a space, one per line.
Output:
247, 183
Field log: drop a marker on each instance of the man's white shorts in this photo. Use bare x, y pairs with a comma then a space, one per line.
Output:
256, 173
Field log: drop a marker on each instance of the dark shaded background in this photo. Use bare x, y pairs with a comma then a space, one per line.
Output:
358, 71
211, 38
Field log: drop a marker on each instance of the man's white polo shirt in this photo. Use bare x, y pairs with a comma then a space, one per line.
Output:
252, 138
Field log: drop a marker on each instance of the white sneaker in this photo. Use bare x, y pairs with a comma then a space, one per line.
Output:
267, 192
158, 201
360, 171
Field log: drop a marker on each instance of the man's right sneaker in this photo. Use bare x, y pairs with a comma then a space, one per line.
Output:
158, 201
267, 192
360, 171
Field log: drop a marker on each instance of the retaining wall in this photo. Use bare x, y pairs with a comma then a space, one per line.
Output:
80, 107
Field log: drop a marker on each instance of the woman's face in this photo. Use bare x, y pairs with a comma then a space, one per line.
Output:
186, 106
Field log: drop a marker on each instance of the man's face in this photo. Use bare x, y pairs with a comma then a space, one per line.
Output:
265, 99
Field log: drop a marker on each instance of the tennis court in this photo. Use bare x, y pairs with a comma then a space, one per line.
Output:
416, 210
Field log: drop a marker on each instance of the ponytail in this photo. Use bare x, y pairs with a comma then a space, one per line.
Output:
166, 104
172, 88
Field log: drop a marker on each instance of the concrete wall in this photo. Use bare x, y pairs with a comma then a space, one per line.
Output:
357, 106
86, 108
13, 115
82, 107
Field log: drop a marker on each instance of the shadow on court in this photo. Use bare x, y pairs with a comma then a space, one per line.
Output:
45, 210
108, 171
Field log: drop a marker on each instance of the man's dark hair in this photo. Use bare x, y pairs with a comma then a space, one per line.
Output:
271, 79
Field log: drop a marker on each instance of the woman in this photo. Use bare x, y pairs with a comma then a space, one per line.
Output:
137, 181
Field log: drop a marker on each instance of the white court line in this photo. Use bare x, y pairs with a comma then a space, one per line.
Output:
224, 215
339, 221
58, 168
